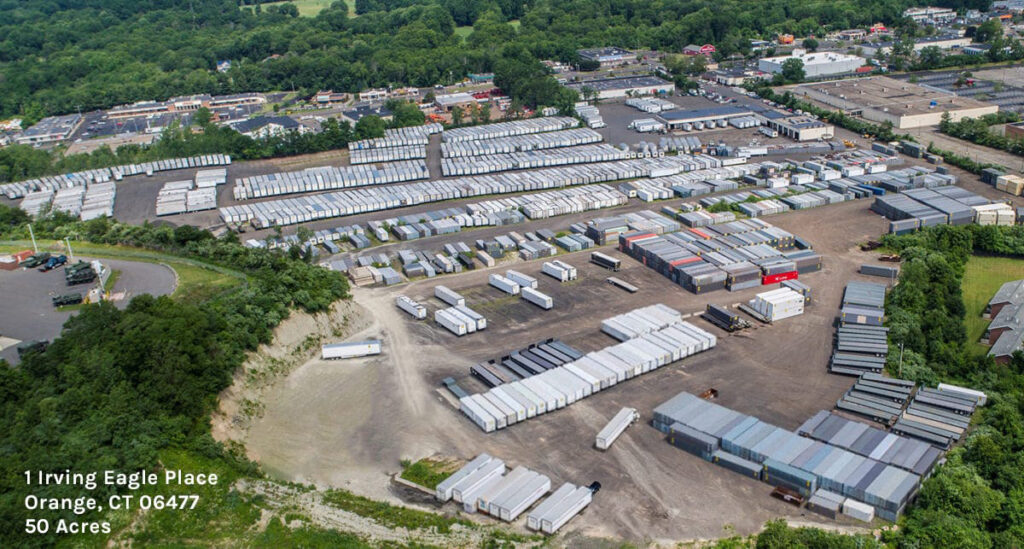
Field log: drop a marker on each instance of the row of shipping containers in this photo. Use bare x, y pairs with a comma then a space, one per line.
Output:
560, 386
584, 154
738, 255
390, 154
287, 211
526, 362
399, 137
510, 129
327, 178
876, 398
103, 175
485, 484
937, 416
505, 145
781, 457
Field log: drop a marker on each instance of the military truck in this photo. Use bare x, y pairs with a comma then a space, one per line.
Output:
80, 276
53, 263
35, 260
67, 299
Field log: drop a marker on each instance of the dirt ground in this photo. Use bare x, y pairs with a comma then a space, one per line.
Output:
349, 423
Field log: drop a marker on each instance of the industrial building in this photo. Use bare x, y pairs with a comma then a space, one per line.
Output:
816, 65
449, 101
882, 99
1015, 130
1006, 332
612, 88
798, 128
51, 129
607, 57
678, 119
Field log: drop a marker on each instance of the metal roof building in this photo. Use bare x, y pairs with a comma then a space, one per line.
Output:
675, 119
610, 88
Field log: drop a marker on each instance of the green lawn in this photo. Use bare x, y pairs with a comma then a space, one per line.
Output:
463, 32
310, 8
982, 278
197, 281
428, 472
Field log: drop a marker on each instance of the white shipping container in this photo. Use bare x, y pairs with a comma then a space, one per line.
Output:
350, 350
858, 510
504, 284
539, 299
616, 427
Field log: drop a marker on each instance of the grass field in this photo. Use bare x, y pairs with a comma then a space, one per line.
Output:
463, 32
197, 281
310, 8
982, 278
428, 472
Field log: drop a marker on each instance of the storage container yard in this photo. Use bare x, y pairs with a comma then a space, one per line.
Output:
521, 295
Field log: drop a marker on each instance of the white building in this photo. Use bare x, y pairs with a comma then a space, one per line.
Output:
816, 65
930, 15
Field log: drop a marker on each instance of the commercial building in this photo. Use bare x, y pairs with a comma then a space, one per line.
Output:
881, 99
449, 101
374, 94
607, 57
187, 104
356, 114
851, 34
52, 129
327, 97
267, 126
736, 76
611, 88
677, 119
816, 65
930, 16
693, 49
1006, 332
799, 128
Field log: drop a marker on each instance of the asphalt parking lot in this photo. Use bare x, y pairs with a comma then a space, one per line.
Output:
26, 296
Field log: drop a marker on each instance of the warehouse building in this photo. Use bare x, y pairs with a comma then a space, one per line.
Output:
678, 119
613, 88
607, 57
799, 128
52, 129
187, 104
816, 65
449, 101
882, 99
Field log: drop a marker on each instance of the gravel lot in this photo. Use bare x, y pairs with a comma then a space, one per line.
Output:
349, 423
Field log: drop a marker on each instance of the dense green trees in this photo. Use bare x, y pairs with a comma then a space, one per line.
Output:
62, 56
976, 130
118, 386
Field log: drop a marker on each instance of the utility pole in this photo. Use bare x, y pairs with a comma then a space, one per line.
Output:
33, 236
900, 371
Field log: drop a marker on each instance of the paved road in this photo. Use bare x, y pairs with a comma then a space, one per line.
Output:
29, 315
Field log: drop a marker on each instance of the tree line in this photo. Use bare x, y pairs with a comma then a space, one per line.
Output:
120, 385
60, 56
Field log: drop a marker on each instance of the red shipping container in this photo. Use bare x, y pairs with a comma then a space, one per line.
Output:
772, 279
700, 233
684, 261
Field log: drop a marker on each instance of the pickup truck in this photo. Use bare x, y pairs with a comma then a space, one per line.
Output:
53, 263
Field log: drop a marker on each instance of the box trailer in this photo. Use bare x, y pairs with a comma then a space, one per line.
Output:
616, 427
350, 350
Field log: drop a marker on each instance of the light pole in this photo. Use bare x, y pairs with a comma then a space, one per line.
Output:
33, 236
67, 241
900, 371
